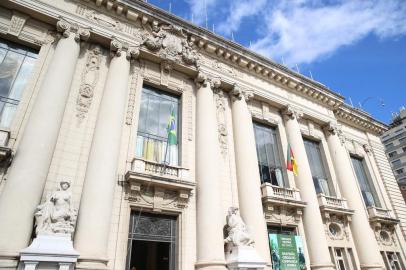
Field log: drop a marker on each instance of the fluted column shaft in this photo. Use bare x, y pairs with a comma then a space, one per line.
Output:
92, 232
27, 175
312, 220
364, 238
210, 251
248, 178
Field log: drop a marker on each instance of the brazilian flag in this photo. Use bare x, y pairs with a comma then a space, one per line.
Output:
171, 129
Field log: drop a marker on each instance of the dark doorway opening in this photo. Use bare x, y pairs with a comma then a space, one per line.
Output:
150, 255
151, 242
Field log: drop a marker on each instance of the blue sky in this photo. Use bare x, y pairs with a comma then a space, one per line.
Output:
355, 47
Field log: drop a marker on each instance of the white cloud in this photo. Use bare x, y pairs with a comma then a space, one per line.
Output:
199, 8
305, 32
238, 10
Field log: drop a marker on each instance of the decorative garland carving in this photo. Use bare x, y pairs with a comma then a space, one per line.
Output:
221, 121
336, 227
132, 94
89, 79
17, 23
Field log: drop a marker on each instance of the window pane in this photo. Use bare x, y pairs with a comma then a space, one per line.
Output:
268, 155
321, 183
152, 138
16, 65
367, 190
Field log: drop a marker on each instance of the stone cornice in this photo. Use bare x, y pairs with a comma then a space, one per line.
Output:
360, 119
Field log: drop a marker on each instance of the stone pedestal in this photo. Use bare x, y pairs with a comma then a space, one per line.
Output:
244, 258
49, 252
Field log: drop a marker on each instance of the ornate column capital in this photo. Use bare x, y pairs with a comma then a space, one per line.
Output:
367, 148
237, 93
118, 47
202, 80
290, 112
332, 128
66, 28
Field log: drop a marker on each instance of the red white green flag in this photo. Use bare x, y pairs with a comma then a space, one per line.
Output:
291, 164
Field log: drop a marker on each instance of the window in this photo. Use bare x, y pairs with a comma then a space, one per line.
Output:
269, 159
156, 140
394, 261
16, 65
282, 230
396, 162
341, 260
392, 154
399, 171
402, 140
321, 183
389, 145
367, 190
404, 149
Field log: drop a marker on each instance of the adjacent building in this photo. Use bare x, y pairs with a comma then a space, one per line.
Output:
160, 129
394, 140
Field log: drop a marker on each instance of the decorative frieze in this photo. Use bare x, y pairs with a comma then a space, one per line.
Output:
89, 79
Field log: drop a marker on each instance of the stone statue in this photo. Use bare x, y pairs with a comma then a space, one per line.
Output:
56, 214
238, 234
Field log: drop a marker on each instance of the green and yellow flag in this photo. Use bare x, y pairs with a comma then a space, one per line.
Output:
171, 129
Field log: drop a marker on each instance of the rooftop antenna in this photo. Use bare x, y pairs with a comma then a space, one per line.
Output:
232, 36
297, 68
311, 75
352, 105
170, 7
193, 21
213, 28
283, 61
205, 12
250, 44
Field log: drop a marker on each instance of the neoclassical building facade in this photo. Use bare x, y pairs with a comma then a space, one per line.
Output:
91, 91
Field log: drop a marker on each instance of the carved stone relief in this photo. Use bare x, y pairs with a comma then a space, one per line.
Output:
336, 227
385, 234
132, 95
166, 68
158, 198
103, 20
89, 79
17, 23
283, 215
221, 103
169, 42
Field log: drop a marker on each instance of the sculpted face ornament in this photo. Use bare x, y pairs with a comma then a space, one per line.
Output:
56, 215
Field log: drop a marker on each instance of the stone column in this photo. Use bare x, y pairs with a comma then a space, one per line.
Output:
95, 210
364, 237
248, 178
210, 219
27, 175
312, 220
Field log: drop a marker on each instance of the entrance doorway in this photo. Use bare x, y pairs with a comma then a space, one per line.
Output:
151, 242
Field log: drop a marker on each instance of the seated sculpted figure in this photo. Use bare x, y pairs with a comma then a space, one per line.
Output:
238, 234
56, 214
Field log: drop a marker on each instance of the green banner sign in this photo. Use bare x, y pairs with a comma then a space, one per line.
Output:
287, 252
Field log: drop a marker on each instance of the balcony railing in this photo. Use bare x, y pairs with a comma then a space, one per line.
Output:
159, 169
332, 201
276, 193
